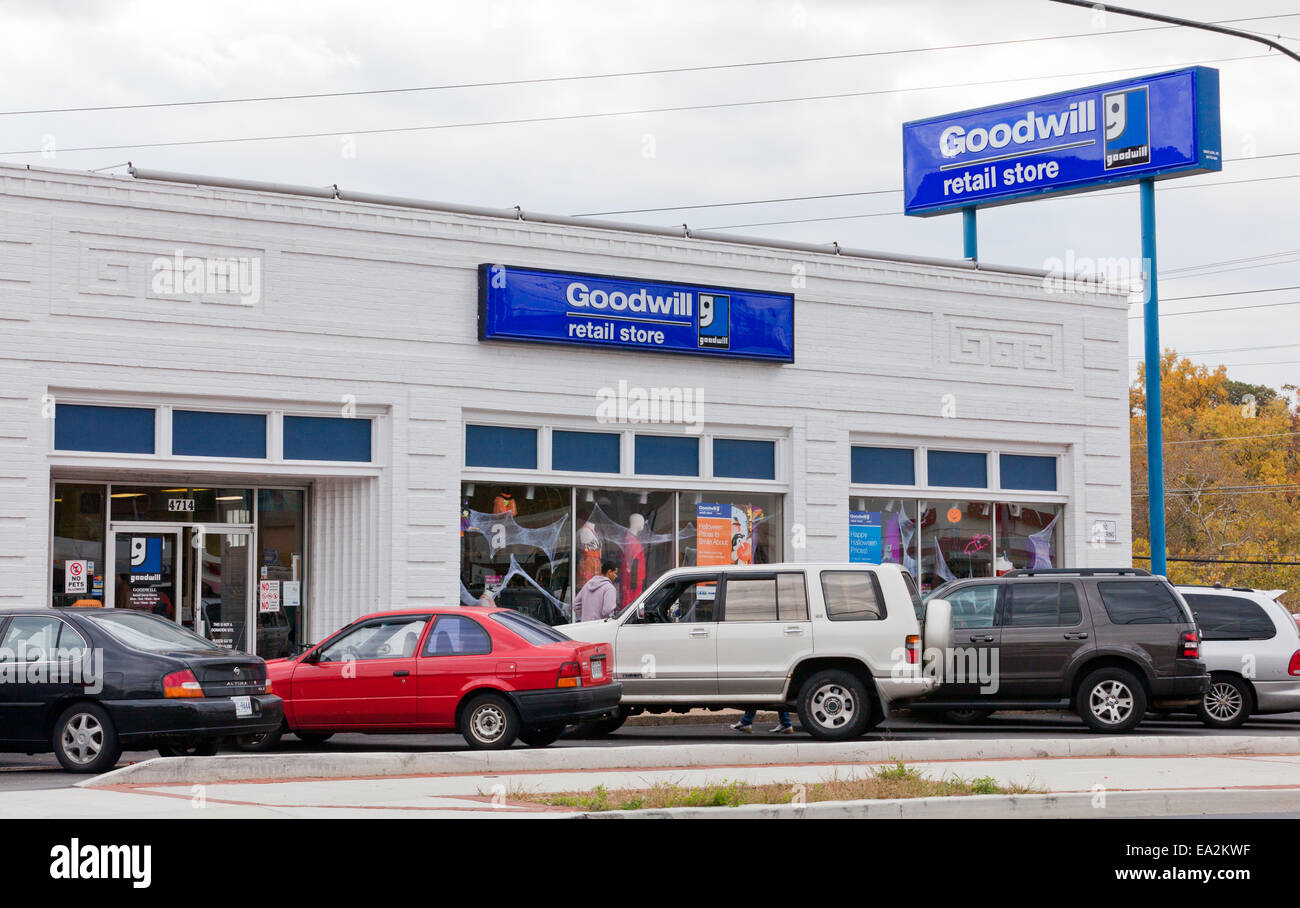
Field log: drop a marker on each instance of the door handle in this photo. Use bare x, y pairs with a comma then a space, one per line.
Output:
700, 632
1082, 636
978, 638
794, 631
401, 673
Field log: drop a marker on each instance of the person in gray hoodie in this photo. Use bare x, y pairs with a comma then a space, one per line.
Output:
598, 597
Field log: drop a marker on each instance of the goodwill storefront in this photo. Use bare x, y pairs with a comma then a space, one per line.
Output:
263, 411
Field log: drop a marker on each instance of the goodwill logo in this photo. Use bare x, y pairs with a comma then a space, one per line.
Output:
1128, 128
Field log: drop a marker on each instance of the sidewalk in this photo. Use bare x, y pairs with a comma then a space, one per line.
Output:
1096, 785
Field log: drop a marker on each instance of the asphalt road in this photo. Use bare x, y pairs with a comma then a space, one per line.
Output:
21, 772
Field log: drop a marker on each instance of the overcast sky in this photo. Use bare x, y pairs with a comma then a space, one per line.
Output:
80, 54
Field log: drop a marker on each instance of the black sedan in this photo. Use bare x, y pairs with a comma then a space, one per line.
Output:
89, 683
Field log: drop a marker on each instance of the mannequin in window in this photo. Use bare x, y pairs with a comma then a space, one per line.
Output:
632, 576
590, 548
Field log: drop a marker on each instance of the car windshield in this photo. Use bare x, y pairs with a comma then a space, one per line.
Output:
529, 628
149, 632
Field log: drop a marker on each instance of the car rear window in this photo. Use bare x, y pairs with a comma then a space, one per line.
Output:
1230, 617
148, 632
529, 628
852, 596
1140, 602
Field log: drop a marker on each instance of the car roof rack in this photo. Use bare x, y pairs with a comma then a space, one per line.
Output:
1078, 572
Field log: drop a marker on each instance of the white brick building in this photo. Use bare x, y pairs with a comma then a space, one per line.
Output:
181, 409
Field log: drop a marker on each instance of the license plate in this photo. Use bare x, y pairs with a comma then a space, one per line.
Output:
597, 668
243, 707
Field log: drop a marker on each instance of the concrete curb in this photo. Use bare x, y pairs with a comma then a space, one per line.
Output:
244, 767
1191, 802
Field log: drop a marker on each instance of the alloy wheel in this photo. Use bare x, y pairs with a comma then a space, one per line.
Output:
1223, 701
83, 738
832, 706
1111, 702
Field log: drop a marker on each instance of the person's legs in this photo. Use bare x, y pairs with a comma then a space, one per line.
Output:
746, 721
784, 726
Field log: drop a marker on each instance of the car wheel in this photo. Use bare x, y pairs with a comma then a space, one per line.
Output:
489, 722
967, 716
190, 749
261, 743
312, 737
834, 706
1111, 700
85, 739
540, 735
1227, 703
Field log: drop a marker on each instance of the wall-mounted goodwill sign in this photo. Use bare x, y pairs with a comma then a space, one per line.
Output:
1159, 126
589, 310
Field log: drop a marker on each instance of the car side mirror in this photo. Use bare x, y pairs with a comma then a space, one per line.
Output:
640, 612
312, 657
938, 626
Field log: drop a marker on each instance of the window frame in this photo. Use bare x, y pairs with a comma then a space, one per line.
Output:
882, 608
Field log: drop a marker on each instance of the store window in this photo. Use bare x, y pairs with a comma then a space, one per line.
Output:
585, 452
501, 446
667, 455
119, 430
956, 541
281, 535
78, 543
330, 438
744, 459
883, 531
182, 504
206, 434
1027, 536
633, 528
957, 469
729, 528
516, 548
882, 466
1020, 471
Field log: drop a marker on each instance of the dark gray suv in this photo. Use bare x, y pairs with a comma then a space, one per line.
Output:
1108, 644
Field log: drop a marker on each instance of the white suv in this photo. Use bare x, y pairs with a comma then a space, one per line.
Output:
839, 642
1251, 647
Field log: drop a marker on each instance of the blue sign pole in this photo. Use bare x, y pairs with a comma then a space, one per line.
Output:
969, 238
1155, 436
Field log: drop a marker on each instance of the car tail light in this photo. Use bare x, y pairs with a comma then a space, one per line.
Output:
1191, 646
570, 675
913, 649
182, 684
1294, 667
268, 686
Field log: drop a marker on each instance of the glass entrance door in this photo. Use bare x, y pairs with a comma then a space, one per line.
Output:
217, 596
147, 571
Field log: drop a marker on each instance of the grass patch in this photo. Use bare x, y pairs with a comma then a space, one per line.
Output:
895, 781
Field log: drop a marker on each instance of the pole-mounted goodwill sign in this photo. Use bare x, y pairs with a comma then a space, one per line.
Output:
1157, 127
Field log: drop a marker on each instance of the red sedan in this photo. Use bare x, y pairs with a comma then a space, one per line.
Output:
491, 674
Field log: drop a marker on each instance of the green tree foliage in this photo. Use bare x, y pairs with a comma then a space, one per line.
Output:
1232, 476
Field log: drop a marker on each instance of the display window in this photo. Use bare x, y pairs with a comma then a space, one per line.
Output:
1027, 536
634, 528
883, 531
729, 528
956, 541
78, 544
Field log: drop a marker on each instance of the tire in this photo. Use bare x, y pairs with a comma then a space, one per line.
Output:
85, 739
541, 735
967, 716
312, 737
489, 722
1111, 700
1227, 704
834, 706
261, 743
191, 749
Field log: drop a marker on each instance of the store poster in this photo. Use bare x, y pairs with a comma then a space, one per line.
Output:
865, 537
724, 533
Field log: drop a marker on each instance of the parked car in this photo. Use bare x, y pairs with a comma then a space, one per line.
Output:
838, 642
88, 683
1108, 644
1252, 650
491, 674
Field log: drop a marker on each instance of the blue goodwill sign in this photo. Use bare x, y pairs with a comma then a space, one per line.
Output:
1159, 126
865, 537
589, 310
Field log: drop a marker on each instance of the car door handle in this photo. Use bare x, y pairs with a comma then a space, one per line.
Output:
401, 673
794, 631
699, 632
977, 638
1083, 636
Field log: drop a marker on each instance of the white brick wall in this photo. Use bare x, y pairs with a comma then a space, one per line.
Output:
381, 303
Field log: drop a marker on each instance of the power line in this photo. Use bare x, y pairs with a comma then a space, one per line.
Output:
1225, 561
1226, 308
1198, 441
1231, 350
567, 117
543, 80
